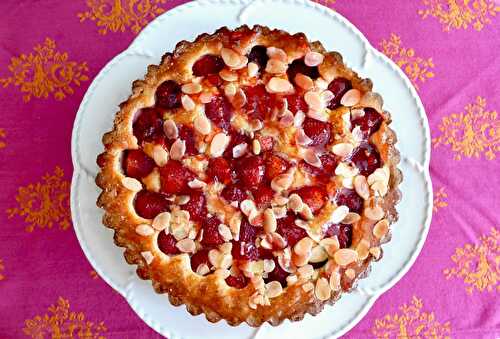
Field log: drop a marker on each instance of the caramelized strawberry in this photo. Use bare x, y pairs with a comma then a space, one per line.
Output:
208, 64
149, 204
148, 125
234, 192
349, 198
245, 247
366, 158
239, 281
166, 243
174, 178
259, 103
275, 165
338, 87
314, 196
368, 123
278, 274
290, 232
168, 95
258, 55
266, 142
343, 233
219, 170
262, 196
325, 172
298, 66
196, 206
296, 103
137, 164
250, 171
186, 133
200, 257
237, 138
211, 235
219, 111
319, 131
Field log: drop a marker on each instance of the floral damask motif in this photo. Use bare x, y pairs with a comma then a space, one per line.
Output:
472, 133
479, 264
440, 199
119, 15
45, 71
416, 68
44, 203
2, 268
327, 3
3, 134
60, 323
459, 14
93, 274
411, 322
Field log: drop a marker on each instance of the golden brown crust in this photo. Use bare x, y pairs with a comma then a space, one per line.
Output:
172, 275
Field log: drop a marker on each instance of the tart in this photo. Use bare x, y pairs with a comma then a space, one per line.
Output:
251, 176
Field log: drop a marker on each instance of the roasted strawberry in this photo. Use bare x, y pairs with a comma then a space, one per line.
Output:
237, 138
239, 281
211, 235
200, 257
296, 103
338, 87
168, 95
278, 274
275, 165
208, 64
266, 142
343, 233
259, 103
219, 111
258, 55
219, 170
148, 125
319, 131
314, 196
186, 133
262, 196
349, 198
250, 171
290, 232
149, 204
174, 178
234, 192
298, 66
137, 164
369, 123
166, 243
366, 158
196, 206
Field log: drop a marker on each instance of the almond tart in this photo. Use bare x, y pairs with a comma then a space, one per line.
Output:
251, 176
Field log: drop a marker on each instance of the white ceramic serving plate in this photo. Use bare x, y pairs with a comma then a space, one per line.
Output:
113, 85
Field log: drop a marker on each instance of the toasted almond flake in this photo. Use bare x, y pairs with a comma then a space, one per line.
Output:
306, 271
321, 83
301, 138
327, 96
162, 221
357, 113
381, 228
202, 269
361, 187
132, 184
312, 59
295, 202
313, 100
148, 256
226, 247
160, 155
269, 265
357, 134
276, 240
342, 149
225, 232
277, 53
380, 187
279, 85
202, 125
257, 281
279, 212
228, 75
347, 183
191, 88
273, 289
275, 66
303, 81
339, 214
320, 115
256, 125
331, 245
281, 182
230, 90
196, 183
235, 224
376, 252
230, 57
300, 260
205, 97
345, 256
301, 223
335, 281
371, 99
239, 150
213, 257
178, 149
351, 218
247, 206
374, 213
145, 230
350, 98
187, 103
350, 273
318, 254
170, 129
270, 223
303, 246
306, 212
291, 280
186, 245
362, 249
299, 118
309, 286
322, 290
256, 148
239, 99
287, 119
252, 69
331, 266
345, 170
312, 158
279, 200
192, 234
219, 144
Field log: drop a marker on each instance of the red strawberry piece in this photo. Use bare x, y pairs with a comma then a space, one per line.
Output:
319, 131
200, 257
296, 103
349, 198
148, 125
236, 139
314, 196
208, 64
366, 158
149, 204
101, 160
278, 274
290, 232
259, 103
250, 170
174, 178
275, 165
219, 111
298, 66
215, 80
219, 170
168, 95
137, 164
166, 243
186, 133
343, 233
196, 206
328, 164
258, 55
368, 123
234, 192
239, 281
263, 196
244, 248
266, 142
211, 235
338, 87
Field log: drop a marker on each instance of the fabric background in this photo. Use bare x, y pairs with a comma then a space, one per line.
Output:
49, 52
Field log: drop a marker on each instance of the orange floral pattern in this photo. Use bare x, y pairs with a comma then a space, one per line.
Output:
327, 3
45, 71
2, 268
411, 322
3, 134
416, 68
93, 274
460, 14
44, 203
120, 15
440, 197
472, 133
478, 264
59, 322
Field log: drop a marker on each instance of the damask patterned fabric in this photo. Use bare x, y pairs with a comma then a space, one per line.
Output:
49, 52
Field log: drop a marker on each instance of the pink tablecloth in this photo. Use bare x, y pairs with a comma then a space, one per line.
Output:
50, 50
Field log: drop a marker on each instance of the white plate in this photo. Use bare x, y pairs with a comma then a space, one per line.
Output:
112, 86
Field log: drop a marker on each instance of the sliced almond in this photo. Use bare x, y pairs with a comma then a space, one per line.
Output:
361, 187
303, 81
162, 221
256, 147
287, 119
335, 281
357, 113
160, 155
371, 99
247, 206
299, 118
351, 218
186, 245
301, 138
362, 249
148, 256
228, 75
279, 200
170, 129
345, 256
306, 212
252, 69
327, 96
313, 100
202, 125
309, 286
295, 202
196, 183
225, 232
319, 115
291, 280
339, 214
376, 252
187, 103
312, 158
178, 149
230, 57
191, 88
273, 289
235, 224
351, 98
281, 182
374, 213
331, 245
275, 66
301, 260
279, 212
230, 90
306, 271
279, 85
239, 99
132, 184
381, 228
270, 223
239, 150
313, 59
202, 269
277, 53
350, 273
322, 290
145, 230
205, 97
269, 265
303, 246
342, 149
318, 254
182, 199
219, 144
